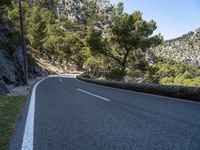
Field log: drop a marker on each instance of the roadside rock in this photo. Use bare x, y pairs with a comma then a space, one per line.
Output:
6, 68
3, 88
11, 60
18, 63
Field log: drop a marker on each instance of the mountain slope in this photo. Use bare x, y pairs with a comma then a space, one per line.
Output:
11, 60
185, 48
77, 11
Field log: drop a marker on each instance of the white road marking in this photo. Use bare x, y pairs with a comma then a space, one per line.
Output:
60, 80
27, 143
65, 75
103, 98
142, 93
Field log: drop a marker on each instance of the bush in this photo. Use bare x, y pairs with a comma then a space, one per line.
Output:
169, 72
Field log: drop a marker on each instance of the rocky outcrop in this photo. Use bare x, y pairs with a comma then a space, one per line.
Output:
3, 88
77, 10
185, 48
73, 10
11, 60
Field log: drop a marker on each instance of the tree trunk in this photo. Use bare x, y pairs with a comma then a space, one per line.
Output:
54, 60
142, 75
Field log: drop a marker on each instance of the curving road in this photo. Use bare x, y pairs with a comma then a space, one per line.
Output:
68, 114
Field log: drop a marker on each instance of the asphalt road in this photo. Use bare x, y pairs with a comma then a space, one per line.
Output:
75, 115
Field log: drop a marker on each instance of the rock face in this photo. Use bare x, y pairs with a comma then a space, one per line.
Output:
77, 10
11, 60
73, 10
7, 68
185, 48
3, 88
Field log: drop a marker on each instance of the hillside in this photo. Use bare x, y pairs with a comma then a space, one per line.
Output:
92, 35
11, 60
185, 48
78, 11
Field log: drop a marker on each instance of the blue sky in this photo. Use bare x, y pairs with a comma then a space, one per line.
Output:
173, 17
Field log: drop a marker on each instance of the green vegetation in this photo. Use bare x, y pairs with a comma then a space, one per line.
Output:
9, 110
46, 35
37, 32
128, 38
112, 48
170, 72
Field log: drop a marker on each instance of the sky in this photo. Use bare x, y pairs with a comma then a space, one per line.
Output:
173, 17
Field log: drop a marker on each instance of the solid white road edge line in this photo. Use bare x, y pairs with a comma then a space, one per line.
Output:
103, 98
27, 143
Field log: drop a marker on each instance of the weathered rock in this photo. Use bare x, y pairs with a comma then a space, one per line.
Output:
76, 10
185, 48
72, 10
18, 63
11, 62
6, 68
3, 88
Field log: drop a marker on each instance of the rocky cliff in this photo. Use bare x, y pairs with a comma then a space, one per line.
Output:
185, 48
77, 10
11, 60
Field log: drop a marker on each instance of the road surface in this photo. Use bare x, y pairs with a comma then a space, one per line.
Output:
67, 114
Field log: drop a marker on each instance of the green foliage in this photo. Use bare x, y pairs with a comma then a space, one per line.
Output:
63, 44
36, 19
111, 53
10, 107
96, 43
170, 72
128, 34
37, 32
94, 65
5, 3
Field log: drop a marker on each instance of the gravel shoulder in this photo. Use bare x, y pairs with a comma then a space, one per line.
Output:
22, 90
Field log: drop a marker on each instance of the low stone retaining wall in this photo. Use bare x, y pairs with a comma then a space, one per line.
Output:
182, 92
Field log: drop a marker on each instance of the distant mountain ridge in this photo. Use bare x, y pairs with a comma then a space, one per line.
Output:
185, 48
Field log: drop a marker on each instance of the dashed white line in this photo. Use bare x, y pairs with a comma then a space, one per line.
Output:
142, 93
27, 143
89, 93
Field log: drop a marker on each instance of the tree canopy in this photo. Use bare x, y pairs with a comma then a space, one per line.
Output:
111, 48
127, 36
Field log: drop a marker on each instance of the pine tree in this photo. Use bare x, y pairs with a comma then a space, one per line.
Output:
37, 29
128, 35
